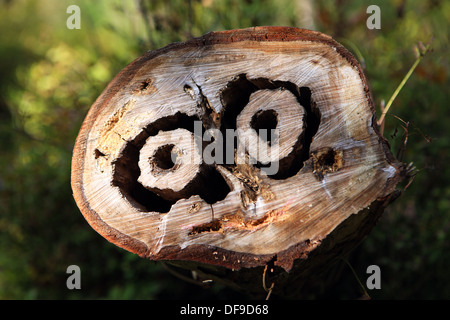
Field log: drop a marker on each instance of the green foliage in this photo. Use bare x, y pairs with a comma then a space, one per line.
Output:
50, 76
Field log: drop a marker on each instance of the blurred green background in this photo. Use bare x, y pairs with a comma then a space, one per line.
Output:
50, 75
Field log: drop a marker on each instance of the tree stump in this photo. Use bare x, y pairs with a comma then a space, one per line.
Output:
242, 155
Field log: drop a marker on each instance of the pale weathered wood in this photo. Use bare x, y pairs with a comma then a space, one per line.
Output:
146, 180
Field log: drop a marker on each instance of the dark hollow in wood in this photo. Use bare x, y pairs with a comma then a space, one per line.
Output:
236, 96
126, 170
265, 121
164, 157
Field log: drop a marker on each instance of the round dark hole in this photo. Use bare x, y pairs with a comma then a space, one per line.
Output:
328, 158
164, 157
265, 120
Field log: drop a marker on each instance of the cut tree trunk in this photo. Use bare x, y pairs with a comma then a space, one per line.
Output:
241, 155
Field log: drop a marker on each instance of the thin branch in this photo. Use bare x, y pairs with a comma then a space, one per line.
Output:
356, 276
422, 53
268, 290
180, 276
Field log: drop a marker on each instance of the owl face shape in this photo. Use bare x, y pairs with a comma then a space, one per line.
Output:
179, 155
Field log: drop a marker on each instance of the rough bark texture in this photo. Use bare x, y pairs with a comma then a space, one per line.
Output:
141, 179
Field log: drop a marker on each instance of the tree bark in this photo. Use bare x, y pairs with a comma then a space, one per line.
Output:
237, 154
